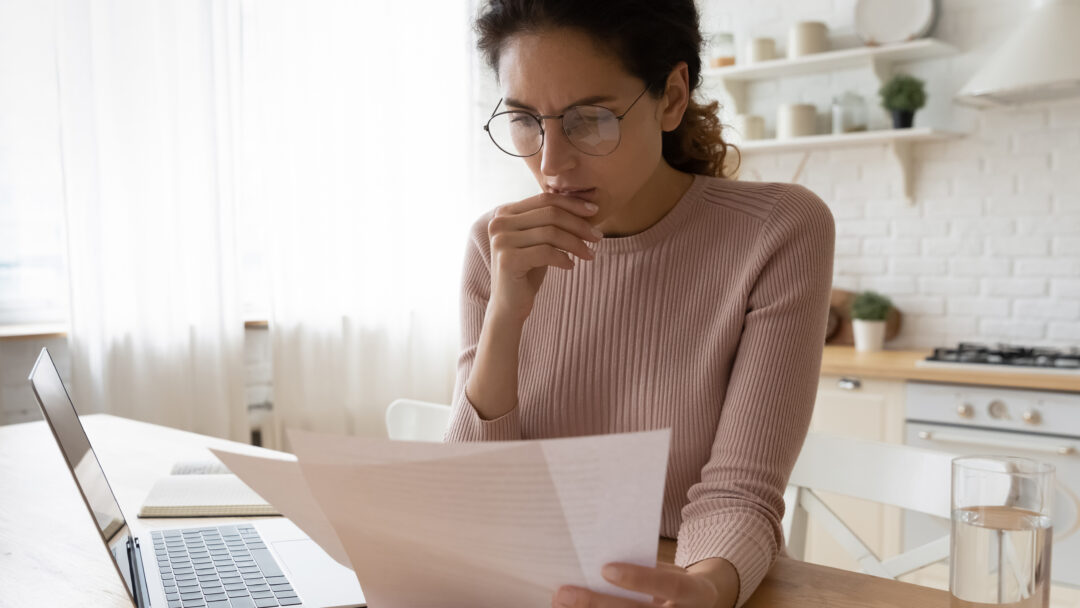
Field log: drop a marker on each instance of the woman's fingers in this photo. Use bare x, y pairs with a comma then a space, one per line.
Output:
505, 222
677, 586
521, 261
527, 237
535, 232
576, 597
569, 203
668, 585
558, 217
549, 235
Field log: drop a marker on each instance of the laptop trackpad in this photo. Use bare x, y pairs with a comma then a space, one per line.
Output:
320, 580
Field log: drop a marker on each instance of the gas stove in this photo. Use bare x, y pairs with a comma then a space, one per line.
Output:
1006, 357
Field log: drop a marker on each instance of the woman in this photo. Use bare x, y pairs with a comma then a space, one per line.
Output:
641, 289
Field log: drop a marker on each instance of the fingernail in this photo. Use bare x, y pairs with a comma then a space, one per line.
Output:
598, 233
566, 596
612, 573
591, 206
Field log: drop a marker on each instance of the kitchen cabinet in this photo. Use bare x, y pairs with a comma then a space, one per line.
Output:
863, 408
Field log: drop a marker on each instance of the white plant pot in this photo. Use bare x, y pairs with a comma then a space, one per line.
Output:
869, 335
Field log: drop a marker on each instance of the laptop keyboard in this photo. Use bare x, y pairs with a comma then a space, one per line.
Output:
220, 567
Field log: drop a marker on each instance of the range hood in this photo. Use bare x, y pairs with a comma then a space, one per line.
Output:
1040, 62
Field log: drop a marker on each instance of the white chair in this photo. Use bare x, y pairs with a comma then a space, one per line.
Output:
411, 420
895, 475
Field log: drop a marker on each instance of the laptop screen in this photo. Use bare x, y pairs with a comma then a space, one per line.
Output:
61, 416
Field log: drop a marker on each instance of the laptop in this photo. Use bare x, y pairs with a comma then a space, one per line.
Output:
250, 564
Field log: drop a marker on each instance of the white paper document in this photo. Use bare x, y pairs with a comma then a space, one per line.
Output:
471, 524
281, 484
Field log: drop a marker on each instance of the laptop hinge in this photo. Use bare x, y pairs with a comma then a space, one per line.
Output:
138, 573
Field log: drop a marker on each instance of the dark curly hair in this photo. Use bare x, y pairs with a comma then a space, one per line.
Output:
649, 36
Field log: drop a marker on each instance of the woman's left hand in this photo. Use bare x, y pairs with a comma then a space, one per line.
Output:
668, 585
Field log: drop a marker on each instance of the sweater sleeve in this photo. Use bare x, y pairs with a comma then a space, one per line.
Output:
465, 423
734, 511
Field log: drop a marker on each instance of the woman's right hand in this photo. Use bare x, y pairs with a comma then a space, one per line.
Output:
528, 236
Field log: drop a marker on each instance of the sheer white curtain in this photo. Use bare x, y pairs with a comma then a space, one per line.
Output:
148, 102
356, 121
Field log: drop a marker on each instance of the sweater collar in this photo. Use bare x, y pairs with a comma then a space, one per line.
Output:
659, 231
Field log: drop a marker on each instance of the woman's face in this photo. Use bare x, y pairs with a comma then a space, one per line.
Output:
547, 72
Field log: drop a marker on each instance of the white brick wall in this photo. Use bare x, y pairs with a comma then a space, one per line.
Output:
990, 250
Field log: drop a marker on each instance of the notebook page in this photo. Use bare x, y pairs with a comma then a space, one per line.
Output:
202, 495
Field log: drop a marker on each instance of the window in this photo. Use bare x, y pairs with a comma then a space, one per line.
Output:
33, 276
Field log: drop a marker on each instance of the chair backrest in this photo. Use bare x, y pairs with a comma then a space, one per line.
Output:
411, 420
896, 475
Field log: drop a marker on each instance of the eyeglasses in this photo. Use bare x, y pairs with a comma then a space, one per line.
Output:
594, 130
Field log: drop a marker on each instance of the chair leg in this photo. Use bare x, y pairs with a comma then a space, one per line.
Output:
796, 523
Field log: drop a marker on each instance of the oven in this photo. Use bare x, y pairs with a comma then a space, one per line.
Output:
969, 420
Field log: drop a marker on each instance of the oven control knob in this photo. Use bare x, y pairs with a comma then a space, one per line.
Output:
965, 410
1032, 416
998, 410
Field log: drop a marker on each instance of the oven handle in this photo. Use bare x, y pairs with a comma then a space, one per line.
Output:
1060, 450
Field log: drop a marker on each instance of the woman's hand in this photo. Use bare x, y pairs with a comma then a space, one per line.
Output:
528, 236
669, 585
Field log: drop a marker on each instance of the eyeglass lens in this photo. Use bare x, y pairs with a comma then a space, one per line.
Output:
591, 129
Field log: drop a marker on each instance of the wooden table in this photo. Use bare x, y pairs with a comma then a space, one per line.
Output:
51, 554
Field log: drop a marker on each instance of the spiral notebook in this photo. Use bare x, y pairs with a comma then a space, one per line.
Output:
204, 495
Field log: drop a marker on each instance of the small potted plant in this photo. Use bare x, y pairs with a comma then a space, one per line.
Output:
902, 95
869, 310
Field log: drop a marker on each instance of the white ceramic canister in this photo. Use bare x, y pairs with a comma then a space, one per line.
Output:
760, 49
796, 120
749, 126
807, 38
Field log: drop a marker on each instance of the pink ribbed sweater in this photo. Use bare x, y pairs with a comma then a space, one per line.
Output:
710, 322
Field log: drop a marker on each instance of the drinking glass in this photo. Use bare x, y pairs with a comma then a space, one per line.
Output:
1001, 532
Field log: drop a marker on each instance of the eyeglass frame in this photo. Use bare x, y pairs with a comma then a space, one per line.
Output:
539, 118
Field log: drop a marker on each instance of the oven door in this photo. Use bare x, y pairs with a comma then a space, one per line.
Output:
1063, 453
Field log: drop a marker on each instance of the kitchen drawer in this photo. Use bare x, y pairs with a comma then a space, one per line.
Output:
865, 408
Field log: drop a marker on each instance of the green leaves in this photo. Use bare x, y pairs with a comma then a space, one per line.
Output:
870, 306
903, 92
